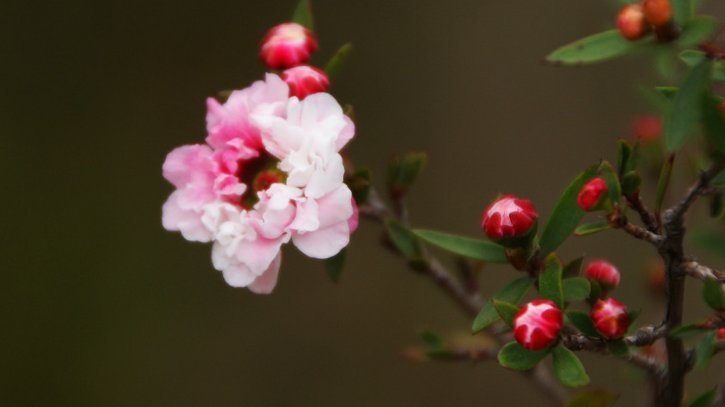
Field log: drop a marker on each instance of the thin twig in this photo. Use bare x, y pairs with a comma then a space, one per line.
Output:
648, 218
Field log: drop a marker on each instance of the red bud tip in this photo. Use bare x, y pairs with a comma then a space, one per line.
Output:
592, 194
721, 333
508, 217
537, 324
287, 45
603, 272
610, 318
657, 12
630, 22
305, 80
646, 128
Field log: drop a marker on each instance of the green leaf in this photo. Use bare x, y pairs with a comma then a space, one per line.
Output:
624, 157
686, 112
337, 61
691, 58
514, 356
403, 170
592, 228
663, 182
618, 348
682, 11
575, 289
335, 264
669, 92
506, 311
359, 183
714, 123
511, 293
403, 239
704, 400
567, 368
566, 215
712, 294
631, 183
550, 285
686, 331
606, 172
582, 322
303, 14
704, 350
431, 340
593, 398
482, 250
573, 268
595, 48
696, 30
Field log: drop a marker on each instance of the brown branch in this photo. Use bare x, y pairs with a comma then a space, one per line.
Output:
648, 218
701, 271
620, 221
701, 187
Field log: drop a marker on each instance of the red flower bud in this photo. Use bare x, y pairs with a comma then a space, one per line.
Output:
287, 45
592, 194
721, 333
610, 318
630, 22
646, 128
537, 324
508, 217
603, 272
657, 12
305, 80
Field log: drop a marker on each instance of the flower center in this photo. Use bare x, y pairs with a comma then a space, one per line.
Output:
258, 174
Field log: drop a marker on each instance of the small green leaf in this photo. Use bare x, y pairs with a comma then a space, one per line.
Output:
624, 155
403, 239
403, 170
696, 30
511, 293
593, 398
303, 14
575, 289
714, 123
713, 295
686, 331
595, 48
514, 356
606, 172
482, 250
663, 182
568, 369
431, 340
335, 264
618, 348
566, 215
686, 112
682, 11
506, 311
592, 228
704, 400
704, 350
669, 92
583, 323
631, 183
573, 268
550, 285
595, 292
337, 61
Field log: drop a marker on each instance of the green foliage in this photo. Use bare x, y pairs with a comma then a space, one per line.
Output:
582, 322
704, 400
359, 183
595, 48
403, 170
403, 239
512, 293
335, 264
713, 295
482, 250
568, 369
663, 182
704, 350
575, 289
714, 123
550, 285
618, 348
686, 111
303, 14
566, 214
514, 356
691, 58
696, 30
334, 65
686, 331
627, 157
593, 398
631, 183
682, 11
606, 172
573, 268
506, 311
592, 228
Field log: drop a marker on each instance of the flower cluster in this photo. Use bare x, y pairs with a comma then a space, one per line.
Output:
635, 20
270, 173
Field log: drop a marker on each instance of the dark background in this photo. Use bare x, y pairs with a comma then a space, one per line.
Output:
101, 306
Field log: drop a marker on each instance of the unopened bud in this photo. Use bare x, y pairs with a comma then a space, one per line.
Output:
593, 195
602, 272
647, 128
610, 318
287, 45
509, 219
657, 12
630, 22
305, 80
537, 324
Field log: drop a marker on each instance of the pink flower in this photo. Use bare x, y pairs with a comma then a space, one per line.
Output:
272, 173
508, 217
537, 324
610, 318
305, 80
287, 45
592, 194
603, 272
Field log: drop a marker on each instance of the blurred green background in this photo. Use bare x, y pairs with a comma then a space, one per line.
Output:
102, 307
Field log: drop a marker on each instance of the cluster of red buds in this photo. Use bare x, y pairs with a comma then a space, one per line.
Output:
288, 47
609, 316
634, 21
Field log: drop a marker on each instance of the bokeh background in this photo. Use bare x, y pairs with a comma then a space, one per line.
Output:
102, 307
